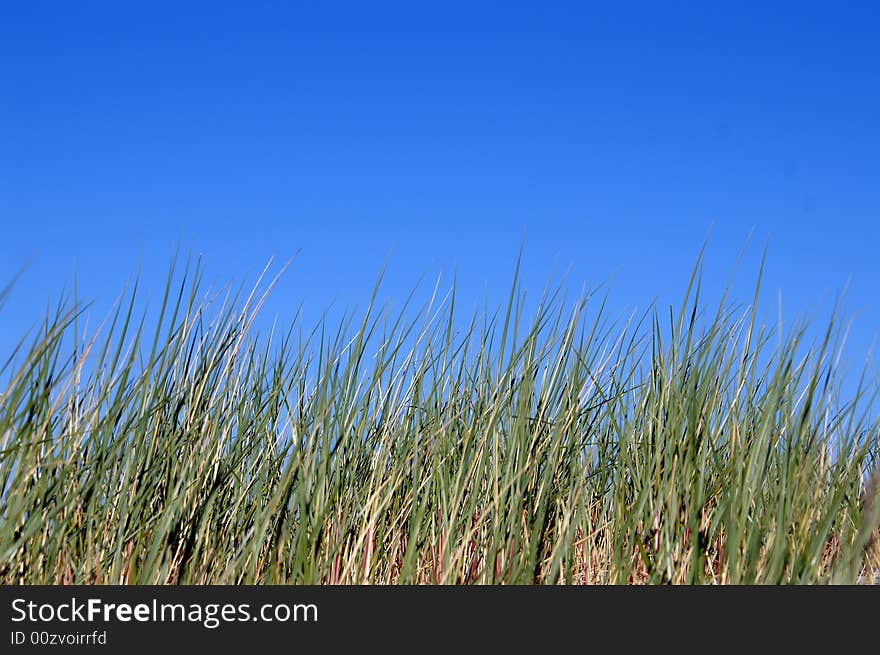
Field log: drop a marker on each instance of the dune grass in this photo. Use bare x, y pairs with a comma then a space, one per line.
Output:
554, 446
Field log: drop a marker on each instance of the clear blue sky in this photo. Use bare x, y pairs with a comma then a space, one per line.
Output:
439, 137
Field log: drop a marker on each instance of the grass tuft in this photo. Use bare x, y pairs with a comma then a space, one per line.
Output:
558, 447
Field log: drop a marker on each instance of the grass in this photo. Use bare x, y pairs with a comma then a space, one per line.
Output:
554, 447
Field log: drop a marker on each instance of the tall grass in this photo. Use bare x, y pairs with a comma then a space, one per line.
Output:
557, 446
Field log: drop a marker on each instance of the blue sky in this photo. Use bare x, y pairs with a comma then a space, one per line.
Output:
439, 137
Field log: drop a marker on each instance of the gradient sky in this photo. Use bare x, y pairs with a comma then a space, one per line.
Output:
439, 137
